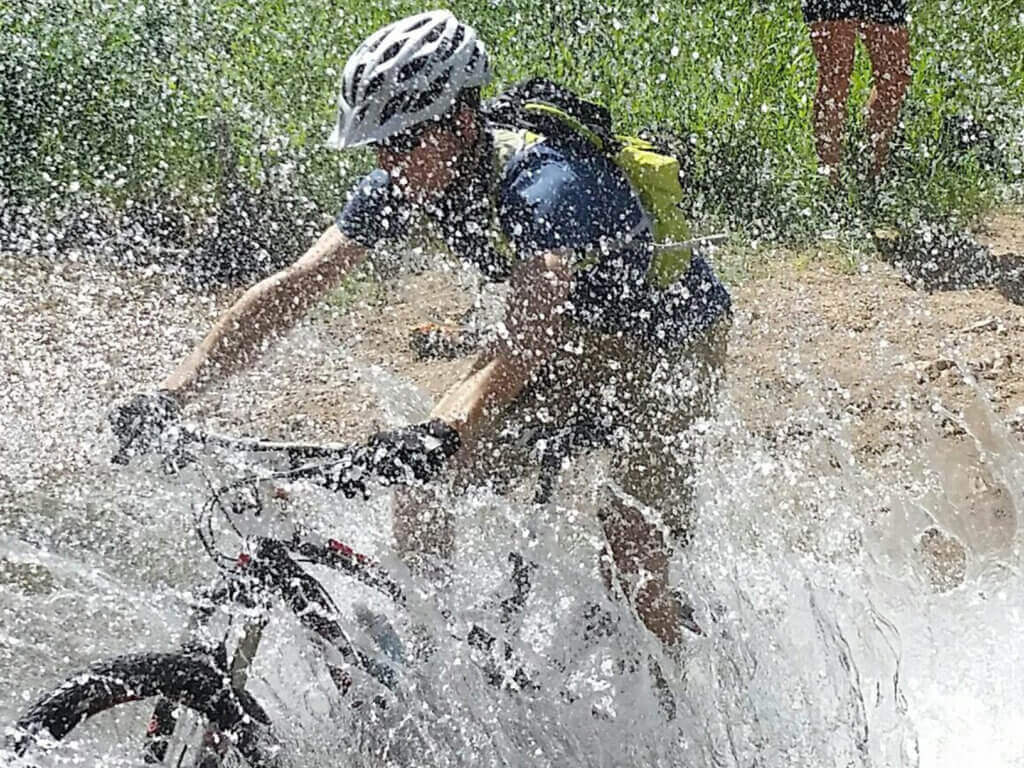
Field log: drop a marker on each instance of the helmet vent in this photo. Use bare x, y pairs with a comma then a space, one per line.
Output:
430, 94
391, 52
413, 68
392, 108
373, 86
417, 24
456, 40
435, 33
357, 77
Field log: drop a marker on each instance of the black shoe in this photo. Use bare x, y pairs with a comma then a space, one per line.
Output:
431, 341
686, 613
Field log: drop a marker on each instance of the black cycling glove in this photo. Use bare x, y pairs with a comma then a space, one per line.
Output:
139, 423
419, 450
409, 454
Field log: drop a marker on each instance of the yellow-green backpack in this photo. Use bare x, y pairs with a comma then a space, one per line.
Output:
553, 111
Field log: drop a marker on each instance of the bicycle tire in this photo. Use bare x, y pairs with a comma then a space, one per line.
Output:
188, 680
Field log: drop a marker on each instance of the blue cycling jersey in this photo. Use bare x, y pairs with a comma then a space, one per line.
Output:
554, 196
567, 196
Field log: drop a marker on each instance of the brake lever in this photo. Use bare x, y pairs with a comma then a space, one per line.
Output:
241, 498
123, 457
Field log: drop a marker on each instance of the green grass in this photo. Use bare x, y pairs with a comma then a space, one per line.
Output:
132, 101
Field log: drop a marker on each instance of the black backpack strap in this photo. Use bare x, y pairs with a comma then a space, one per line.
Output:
593, 115
507, 109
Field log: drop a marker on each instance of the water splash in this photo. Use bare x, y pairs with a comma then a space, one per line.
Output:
827, 642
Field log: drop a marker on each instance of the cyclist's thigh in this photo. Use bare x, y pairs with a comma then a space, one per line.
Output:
586, 381
654, 461
504, 442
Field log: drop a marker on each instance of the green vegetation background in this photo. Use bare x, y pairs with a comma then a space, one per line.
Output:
130, 101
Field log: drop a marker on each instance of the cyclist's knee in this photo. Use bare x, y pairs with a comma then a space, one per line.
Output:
637, 543
664, 486
422, 525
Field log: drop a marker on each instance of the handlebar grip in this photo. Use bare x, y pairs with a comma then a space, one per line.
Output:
123, 457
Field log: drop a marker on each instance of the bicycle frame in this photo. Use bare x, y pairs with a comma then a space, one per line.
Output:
271, 569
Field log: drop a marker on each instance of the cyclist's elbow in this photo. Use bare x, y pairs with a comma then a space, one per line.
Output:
329, 259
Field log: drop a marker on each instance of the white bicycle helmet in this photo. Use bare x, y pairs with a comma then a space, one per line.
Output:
407, 72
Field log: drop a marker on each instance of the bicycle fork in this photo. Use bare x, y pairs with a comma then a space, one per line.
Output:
270, 572
164, 721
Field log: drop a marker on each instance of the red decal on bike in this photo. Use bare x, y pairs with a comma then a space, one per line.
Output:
338, 546
347, 551
153, 726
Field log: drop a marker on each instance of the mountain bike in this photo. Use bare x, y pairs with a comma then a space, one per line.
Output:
201, 712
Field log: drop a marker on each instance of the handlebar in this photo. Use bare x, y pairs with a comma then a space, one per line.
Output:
183, 435
295, 451
256, 445
415, 452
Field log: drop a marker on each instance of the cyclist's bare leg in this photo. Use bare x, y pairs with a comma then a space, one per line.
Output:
653, 507
533, 321
423, 524
423, 528
640, 557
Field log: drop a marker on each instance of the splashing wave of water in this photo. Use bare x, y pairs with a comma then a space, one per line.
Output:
824, 644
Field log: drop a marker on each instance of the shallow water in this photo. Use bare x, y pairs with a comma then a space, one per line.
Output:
826, 642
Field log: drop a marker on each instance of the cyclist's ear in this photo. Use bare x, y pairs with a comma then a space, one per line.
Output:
466, 124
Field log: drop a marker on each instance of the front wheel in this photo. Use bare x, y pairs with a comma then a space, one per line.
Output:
214, 724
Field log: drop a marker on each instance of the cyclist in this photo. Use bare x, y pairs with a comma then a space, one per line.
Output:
589, 337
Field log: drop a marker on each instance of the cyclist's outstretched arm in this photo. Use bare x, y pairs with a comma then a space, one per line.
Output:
270, 307
534, 321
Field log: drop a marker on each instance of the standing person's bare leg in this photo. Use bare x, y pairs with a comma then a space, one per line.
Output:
833, 43
889, 48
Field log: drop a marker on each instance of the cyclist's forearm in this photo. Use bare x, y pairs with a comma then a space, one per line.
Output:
270, 307
534, 329
491, 387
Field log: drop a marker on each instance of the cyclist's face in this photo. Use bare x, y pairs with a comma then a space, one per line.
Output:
427, 156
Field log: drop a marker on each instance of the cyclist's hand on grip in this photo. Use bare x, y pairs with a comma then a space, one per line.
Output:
419, 449
140, 422
413, 453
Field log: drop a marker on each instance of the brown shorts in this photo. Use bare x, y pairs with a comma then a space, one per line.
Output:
643, 400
